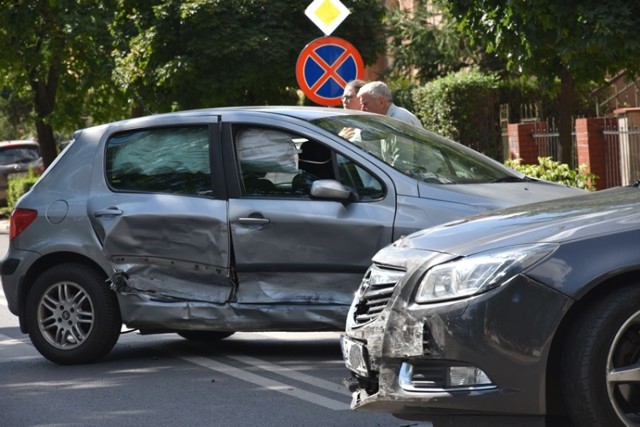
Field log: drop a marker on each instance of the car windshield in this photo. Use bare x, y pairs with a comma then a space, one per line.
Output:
417, 152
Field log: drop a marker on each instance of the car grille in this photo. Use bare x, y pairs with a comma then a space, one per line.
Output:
374, 293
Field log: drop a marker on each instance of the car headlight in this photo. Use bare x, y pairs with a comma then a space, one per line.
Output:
478, 273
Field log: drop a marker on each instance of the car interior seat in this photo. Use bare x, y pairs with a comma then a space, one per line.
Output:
315, 159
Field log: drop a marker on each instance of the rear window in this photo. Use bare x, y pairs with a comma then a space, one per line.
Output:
18, 154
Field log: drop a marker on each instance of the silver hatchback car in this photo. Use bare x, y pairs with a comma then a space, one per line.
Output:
214, 221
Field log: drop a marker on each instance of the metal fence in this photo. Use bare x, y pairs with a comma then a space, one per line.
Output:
622, 155
547, 139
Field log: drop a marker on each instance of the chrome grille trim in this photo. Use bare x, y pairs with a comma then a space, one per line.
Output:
375, 292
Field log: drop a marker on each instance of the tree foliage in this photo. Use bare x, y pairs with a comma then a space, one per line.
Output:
181, 54
462, 106
426, 43
56, 53
81, 61
575, 42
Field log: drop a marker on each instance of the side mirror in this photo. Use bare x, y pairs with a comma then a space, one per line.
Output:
330, 189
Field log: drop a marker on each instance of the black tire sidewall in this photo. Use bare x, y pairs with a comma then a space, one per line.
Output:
584, 377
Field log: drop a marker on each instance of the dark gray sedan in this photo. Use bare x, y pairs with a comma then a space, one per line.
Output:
529, 311
239, 219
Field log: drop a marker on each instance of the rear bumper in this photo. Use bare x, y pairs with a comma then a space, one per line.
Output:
14, 262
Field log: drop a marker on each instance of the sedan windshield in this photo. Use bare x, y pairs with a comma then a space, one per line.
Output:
417, 152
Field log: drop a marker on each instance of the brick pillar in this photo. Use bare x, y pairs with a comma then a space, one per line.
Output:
591, 146
521, 143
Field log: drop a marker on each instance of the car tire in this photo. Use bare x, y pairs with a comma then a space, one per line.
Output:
204, 336
71, 315
601, 342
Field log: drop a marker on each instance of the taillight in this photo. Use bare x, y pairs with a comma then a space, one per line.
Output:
20, 220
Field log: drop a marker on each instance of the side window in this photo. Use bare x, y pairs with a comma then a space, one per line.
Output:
275, 163
163, 160
359, 179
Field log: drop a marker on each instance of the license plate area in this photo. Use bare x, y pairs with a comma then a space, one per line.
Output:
355, 356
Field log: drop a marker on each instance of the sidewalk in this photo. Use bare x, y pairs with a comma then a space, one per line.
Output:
4, 226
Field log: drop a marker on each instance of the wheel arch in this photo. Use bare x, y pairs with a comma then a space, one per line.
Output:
554, 400
44, 263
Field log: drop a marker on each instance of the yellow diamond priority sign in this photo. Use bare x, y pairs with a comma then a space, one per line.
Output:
327, 14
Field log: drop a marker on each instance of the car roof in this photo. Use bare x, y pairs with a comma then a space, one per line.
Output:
18, 143
299, 112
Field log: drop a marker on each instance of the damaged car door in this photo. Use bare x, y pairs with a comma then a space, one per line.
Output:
299, 247
162, 221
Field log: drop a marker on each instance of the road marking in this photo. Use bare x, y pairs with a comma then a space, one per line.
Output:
292, 373
267, 383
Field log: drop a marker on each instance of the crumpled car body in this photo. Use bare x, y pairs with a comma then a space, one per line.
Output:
522, 315
214, 221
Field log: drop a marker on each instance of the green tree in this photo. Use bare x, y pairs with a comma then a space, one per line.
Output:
426, 43
574, 42
56, 53
181, 54
15, 115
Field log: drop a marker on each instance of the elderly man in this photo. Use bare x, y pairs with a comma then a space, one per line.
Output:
376, 98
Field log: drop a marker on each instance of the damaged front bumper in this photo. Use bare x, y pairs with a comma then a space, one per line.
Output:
483, 355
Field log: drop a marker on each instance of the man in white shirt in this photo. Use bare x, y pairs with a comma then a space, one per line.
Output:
376, 98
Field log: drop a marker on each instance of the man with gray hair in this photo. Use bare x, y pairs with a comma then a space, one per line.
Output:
376, 97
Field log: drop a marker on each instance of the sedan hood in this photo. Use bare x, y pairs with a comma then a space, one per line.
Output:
560, 220
499, 195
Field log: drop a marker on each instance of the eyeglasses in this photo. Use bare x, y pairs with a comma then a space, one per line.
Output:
347, 98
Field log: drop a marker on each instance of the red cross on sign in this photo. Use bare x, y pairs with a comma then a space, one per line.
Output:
324, 68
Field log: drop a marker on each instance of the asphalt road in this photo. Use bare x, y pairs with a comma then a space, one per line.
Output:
249, 379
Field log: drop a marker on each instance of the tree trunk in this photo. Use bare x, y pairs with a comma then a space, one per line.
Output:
44, 95
565, 148
47, 142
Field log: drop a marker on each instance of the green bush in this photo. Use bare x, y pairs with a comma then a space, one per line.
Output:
551, 170
19, 186
464, 107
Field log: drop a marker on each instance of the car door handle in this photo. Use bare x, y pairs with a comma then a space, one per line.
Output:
107, 212
253, 221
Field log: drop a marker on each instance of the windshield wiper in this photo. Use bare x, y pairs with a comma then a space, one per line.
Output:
510, 178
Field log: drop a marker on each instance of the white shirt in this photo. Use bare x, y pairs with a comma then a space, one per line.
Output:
403, 114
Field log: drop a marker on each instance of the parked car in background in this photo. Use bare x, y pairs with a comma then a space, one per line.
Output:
529, 311
236, 219
16, 158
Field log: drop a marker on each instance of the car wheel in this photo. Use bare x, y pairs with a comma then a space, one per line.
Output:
601, 378
205, 335
71, 315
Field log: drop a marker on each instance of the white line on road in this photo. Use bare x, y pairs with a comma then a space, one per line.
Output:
292, 373
267, 383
